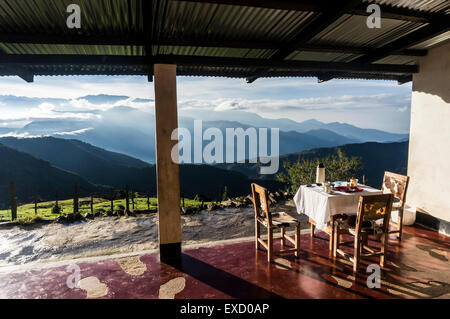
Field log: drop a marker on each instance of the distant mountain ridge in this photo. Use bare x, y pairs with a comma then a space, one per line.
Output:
135, 133
46, 166
289, 141
64, 152
344, 129
124, 128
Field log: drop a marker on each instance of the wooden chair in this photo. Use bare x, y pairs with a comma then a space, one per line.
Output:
398, 185
272, 221
372, 209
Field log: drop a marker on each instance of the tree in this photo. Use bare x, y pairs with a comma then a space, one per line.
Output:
337, 167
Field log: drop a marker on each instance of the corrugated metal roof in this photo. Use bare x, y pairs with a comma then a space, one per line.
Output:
49, 16
20, 48
353, 30
397, 59
422, 5
218, 22
322, 56
228, 29
433, 41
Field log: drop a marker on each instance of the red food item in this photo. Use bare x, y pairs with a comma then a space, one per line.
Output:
348, 190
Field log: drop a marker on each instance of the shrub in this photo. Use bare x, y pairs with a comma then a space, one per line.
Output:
28, 220
338, 167
56, 209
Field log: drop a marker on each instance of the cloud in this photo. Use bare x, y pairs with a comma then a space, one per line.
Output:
21, 135
46, 108
28, 135
340, 103
358, 101
80, 104
76, 132
403, 108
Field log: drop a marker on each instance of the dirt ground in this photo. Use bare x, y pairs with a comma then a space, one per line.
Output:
112, 235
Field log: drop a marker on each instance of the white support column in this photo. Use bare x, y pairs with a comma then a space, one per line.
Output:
168, 178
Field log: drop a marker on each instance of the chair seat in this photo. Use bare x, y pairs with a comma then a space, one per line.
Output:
283, 220
367, 227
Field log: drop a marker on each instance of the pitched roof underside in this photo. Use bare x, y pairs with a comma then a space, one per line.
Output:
232, 38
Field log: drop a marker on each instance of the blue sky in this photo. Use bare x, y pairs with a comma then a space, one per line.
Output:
369, 104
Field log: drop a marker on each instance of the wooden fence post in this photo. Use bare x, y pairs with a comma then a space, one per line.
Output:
132, 199
112, 201
75, 198
13, 201
56, 200
35, 205
127, 204
148, 201
92, 204
364, 180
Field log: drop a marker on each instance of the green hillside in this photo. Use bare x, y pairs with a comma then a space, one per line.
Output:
35, 176
50, 167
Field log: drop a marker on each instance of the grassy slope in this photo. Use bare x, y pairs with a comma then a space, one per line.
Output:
44, 208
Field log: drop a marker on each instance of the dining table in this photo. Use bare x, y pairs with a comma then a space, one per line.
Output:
322, 207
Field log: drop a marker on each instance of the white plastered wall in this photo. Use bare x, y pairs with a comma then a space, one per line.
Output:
429, 148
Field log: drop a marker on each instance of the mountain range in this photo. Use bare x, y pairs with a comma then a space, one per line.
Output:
347, 130
48, 165
126, 125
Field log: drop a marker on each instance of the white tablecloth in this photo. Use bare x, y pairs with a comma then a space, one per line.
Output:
320, 206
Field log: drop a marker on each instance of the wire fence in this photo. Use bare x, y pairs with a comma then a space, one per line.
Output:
35, 202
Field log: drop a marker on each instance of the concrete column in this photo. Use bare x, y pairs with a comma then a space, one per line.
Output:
167, 170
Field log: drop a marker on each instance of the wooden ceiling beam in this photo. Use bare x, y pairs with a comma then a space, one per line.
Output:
33, 60
17, 69
208, 72
141, 41
147, 21
405, 79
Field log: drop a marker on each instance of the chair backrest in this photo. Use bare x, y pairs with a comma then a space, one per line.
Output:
375, 207
396, 184
261, 202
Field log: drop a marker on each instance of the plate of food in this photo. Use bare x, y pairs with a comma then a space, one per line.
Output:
346, 189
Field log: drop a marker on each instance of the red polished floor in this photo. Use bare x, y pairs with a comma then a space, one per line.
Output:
418, 267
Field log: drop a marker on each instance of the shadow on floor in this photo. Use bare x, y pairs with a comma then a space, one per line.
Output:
221, 280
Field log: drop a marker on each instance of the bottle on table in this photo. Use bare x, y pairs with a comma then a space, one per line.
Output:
320, 174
